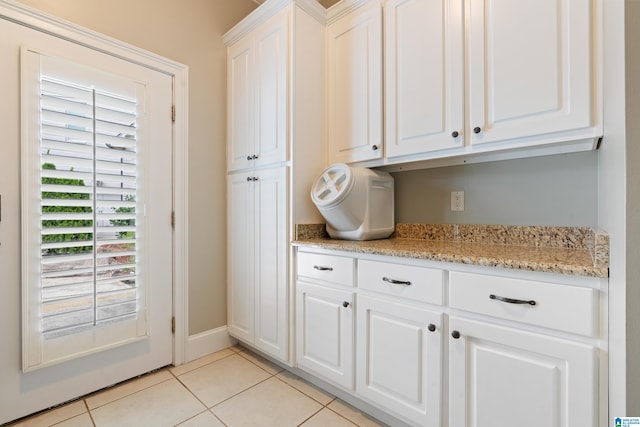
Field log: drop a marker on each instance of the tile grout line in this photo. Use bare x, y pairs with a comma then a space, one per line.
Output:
113, 387
86, 405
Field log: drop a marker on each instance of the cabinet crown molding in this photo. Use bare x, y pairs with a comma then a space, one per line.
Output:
268, 9
344, 7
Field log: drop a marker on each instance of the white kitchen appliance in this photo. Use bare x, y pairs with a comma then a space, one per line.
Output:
356, 202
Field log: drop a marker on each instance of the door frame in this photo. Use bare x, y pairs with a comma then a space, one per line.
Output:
29, 17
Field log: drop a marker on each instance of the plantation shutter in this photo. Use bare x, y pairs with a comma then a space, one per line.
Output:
88, 284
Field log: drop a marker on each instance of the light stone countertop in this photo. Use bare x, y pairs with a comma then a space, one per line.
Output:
562, 253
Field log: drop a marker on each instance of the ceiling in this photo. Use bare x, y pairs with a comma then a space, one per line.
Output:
326, 3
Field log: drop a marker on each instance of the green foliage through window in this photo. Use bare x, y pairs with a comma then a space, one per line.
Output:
70, 237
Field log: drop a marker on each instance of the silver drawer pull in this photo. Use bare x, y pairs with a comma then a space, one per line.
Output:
321, 268
397, 282
511, 300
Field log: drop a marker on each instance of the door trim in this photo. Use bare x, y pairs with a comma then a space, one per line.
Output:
32, 18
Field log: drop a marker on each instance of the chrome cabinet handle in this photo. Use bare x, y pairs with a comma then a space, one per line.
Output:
322, 268
512, 300
396, 282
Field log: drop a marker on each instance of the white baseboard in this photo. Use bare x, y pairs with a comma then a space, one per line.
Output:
207, 342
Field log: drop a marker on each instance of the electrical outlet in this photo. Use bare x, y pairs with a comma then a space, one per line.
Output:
457, 201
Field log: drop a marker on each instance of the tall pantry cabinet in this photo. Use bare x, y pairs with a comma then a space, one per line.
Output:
275, 149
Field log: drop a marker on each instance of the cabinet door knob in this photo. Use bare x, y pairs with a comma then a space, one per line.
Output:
255, 156
455, 134
455, 334
255, 178
249, 157
477, 129
249, 179
374, 147
345, 304
431, 327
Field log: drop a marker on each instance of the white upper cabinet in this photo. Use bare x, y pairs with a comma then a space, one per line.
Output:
257, 70
240, 104
424, 75
354, 78
481, 79
530, 68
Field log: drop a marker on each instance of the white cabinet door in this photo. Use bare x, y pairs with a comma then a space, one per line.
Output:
399, 358
240, 242
270, 266
257, 68
530, 68
271, 89
354, 77
324, 332
257, 263
424, 75
240, 108
502, 376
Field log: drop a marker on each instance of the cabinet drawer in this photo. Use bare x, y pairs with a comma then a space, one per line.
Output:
406, 281
329, 268
566, 308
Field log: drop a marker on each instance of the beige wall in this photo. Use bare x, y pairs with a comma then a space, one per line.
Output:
187, 31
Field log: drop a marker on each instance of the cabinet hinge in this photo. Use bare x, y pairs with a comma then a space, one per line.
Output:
173, 113
173, 325
173, 219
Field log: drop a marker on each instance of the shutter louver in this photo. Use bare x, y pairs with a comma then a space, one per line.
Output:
89, 208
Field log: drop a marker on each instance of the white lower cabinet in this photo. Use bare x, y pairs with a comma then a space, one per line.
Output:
257, 297
324, 339
399, 358
501, 376
454, 347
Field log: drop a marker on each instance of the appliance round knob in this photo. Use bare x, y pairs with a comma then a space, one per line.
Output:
431, 327
455, 134
477, 129
455, 334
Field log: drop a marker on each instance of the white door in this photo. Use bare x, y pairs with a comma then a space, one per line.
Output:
530, 68
271, 67
399, 358
424, 75
271, 254
123, 268
324, 332
354, 77
240, 105
502, 376
240, 247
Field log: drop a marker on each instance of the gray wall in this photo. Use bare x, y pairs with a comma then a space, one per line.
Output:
556, 190
632, 103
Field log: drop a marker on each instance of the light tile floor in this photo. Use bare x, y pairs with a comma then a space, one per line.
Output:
233, 387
